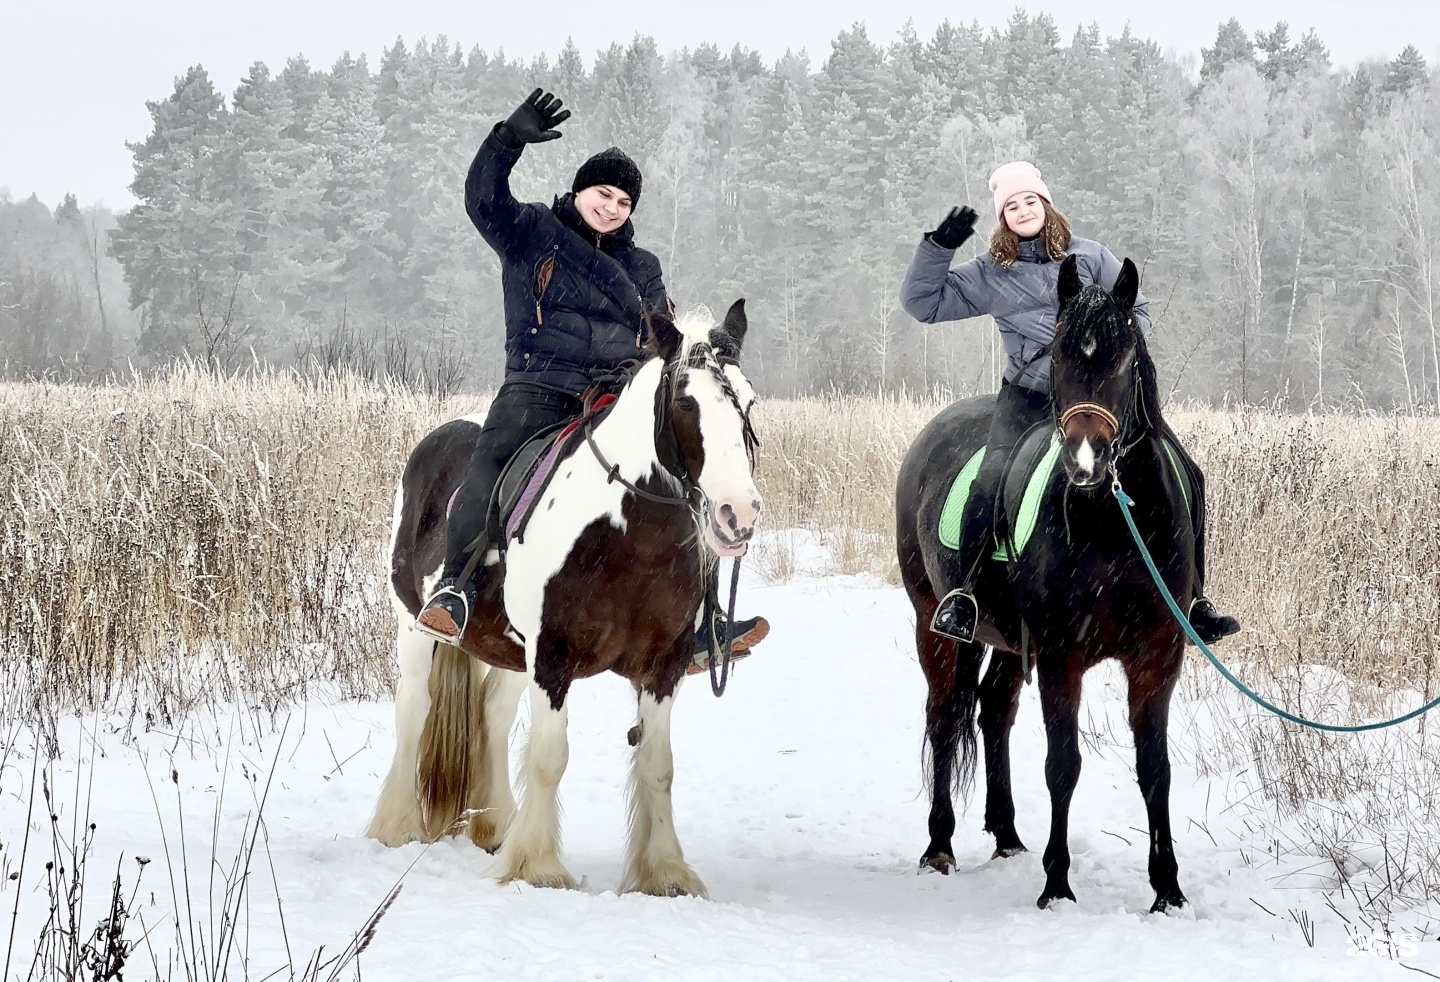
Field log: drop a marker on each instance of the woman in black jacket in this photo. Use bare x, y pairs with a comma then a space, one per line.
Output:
576, 286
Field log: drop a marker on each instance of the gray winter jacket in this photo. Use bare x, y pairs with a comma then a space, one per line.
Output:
1022, 299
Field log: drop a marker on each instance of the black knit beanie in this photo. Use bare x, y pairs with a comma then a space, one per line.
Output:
613, 167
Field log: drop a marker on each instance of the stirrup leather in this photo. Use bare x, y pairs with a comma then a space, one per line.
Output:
957, 617
441, 636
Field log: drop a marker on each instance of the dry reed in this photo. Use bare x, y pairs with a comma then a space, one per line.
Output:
189, 539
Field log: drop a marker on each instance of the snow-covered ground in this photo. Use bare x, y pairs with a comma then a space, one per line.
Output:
798, 800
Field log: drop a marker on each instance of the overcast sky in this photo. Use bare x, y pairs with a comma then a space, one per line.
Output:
74, 77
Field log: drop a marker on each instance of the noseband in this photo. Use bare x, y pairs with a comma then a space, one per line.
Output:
1092, 409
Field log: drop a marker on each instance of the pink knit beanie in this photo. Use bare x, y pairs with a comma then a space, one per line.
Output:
1014, 178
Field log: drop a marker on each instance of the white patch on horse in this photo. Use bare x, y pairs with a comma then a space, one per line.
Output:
531, 848
655, 863
397, 818
1089, 346
1085, 458
585, 496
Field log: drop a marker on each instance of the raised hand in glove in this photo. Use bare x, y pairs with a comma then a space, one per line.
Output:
954, 228
535, 120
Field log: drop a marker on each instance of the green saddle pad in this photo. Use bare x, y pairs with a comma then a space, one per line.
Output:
1038, 457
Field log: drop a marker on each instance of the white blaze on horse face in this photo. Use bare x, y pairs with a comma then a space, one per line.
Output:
725, 477
1085, 459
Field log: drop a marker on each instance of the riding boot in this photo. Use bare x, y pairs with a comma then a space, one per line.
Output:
1209, 623
745, 634
958, 614
448, 610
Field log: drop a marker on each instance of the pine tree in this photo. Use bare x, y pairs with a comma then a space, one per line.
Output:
181, 245
69, 211
1406, 72
1232, 45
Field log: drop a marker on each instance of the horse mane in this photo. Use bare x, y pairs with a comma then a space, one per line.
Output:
1149, 381
695, 327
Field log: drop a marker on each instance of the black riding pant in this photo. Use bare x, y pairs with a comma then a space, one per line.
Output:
519, 411
1018, 409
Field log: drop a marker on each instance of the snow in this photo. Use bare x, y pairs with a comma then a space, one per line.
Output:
798, 800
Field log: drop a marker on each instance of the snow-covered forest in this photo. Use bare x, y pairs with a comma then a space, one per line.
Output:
1286, 212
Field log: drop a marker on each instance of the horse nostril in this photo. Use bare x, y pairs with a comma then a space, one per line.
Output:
727, 515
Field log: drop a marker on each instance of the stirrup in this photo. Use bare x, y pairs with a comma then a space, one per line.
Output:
957, 617
437, 619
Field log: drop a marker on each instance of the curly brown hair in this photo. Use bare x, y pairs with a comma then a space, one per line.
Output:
1005, 244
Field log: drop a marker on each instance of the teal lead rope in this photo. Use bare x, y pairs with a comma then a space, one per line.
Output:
1126, 503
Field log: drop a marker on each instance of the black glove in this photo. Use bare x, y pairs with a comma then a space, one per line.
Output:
534, 121
954, 228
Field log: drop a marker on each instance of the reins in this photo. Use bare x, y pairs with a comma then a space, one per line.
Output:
721, 652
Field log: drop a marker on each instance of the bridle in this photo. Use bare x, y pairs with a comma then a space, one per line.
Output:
1092, 409
1120, 425
701, 356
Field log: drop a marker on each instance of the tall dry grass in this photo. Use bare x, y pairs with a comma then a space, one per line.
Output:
190, 539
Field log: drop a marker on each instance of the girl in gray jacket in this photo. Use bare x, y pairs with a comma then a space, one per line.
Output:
1015, 283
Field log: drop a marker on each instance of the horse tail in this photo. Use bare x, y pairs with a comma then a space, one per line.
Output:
950, 748
452, 749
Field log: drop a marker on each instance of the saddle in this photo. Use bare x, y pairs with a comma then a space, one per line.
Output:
523, 481
1028, 477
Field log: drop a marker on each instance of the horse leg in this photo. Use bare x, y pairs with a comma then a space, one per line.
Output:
531, 850
1060, 701
397, 819
655, 863
1150, 692
999, 703
949, 728
491, 802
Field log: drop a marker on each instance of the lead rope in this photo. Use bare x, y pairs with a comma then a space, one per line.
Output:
1127, 503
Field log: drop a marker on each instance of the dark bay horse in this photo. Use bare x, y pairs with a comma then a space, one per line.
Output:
608, 576
1078, 592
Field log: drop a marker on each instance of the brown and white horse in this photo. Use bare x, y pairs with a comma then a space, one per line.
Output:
608, 576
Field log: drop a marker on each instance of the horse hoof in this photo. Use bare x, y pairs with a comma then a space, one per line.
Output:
1049, 900
667, 878
940, 862
544, 873
1007, 852
1169, 902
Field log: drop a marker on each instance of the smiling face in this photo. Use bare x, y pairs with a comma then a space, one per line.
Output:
603, 207
1025, 214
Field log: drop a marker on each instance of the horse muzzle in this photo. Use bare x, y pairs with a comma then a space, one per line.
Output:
730, 525
1086, 461
1090, 430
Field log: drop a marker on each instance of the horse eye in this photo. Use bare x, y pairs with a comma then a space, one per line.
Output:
686, 404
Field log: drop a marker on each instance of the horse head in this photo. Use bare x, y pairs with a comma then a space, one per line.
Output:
703, 432
1101, 377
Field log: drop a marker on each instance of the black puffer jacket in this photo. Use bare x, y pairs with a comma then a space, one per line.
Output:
572, 297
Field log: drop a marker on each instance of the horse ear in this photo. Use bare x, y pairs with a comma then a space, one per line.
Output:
660, 337
1070, 285
731, 335
1127, 285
